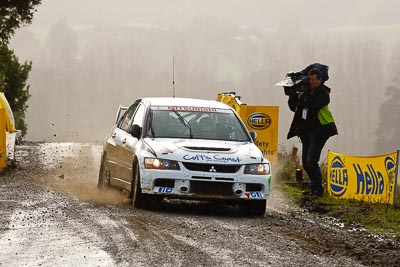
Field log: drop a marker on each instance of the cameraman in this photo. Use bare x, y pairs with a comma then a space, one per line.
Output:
314, 124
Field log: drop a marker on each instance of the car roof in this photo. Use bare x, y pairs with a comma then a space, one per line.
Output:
183, 102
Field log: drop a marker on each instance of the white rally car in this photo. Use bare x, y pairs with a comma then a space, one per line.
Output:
185, 148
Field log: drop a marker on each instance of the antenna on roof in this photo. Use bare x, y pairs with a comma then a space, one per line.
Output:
173, 75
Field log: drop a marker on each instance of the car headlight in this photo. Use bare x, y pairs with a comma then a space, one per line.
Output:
161, 164
258, 169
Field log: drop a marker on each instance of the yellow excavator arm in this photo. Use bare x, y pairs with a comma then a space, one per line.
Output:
231, 99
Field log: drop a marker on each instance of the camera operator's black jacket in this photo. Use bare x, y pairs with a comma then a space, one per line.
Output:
313, 103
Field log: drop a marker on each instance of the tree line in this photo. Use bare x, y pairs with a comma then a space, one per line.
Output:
13, 74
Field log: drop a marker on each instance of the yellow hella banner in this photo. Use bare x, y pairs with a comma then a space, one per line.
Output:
371, 179
264, 121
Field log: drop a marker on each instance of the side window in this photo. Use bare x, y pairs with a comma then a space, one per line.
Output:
127, 118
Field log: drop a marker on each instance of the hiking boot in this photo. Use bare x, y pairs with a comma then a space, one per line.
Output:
318, 193
307, 193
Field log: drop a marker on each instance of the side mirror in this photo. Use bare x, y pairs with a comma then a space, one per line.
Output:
253, 135
136, 131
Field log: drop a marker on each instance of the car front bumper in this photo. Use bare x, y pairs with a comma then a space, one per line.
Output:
205, 185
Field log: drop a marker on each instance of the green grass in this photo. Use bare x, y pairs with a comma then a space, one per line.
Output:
377, 218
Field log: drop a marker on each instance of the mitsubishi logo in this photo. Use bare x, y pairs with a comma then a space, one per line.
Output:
212, 169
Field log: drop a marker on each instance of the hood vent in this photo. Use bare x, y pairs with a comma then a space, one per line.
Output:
207, 148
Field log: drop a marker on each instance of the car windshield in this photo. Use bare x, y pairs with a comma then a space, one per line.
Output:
212, 124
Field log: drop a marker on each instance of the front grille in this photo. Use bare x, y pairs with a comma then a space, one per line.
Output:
210, 188
211, 167
164, 182
253, 187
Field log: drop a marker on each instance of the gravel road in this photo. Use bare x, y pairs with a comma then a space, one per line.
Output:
52, 214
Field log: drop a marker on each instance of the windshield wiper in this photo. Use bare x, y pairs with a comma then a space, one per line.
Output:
184, 122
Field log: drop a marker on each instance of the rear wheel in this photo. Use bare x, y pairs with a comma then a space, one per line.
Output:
255, 207
139, 200
104, 175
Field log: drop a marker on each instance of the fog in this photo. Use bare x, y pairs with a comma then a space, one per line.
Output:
91, 56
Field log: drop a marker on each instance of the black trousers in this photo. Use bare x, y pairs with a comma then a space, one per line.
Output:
313, 143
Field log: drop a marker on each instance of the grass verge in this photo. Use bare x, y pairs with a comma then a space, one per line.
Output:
377, 218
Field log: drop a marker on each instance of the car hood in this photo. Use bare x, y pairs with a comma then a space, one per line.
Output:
206, 151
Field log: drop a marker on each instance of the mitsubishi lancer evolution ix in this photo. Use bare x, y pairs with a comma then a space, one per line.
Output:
184, 148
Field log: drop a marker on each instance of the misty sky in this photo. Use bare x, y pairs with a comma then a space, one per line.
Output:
89, 56
252, 13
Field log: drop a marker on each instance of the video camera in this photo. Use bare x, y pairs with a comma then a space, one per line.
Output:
297, 82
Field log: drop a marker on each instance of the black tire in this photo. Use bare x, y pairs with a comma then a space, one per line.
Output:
139, 200
104, 181
255, 207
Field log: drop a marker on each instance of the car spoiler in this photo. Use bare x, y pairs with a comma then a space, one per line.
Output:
120, 113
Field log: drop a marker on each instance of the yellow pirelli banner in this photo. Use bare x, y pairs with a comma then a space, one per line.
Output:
372, 179
264, 121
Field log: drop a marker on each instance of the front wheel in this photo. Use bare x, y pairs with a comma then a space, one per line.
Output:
104, 181
138, 199
256, 207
